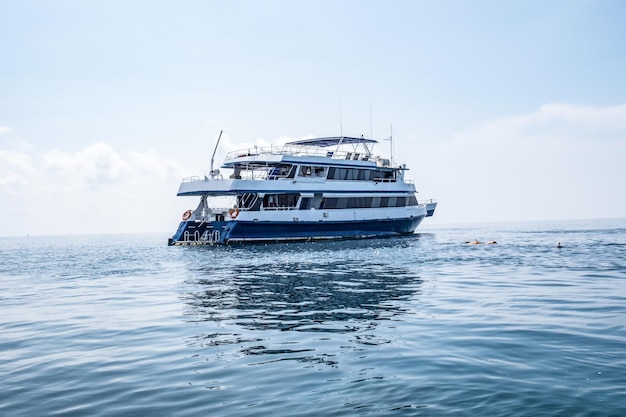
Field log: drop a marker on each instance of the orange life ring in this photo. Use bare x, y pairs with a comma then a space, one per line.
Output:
187, 215
233, 212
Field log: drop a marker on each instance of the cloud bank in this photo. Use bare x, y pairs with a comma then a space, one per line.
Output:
93, 190
561, 161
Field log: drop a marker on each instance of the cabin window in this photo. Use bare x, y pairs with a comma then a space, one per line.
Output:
347, 203
312, 171
401, 202
305, 203
280, 201
275, 172
329, 203
386, 175
280, 171
360, 202
350, 174
319, 172
248, 201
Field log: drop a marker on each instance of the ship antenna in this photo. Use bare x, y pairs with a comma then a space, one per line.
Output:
215, 173
340, 119
390, 139
371, 135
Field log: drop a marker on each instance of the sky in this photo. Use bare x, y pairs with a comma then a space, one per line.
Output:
502, 111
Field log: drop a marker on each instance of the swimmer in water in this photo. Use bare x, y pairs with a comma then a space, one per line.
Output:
478, 242
559, 245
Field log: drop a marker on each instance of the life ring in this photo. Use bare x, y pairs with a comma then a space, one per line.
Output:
233, 212
187, 215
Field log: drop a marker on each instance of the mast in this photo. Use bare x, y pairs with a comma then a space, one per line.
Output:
215, 173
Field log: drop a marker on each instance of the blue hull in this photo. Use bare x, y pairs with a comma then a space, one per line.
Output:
191, 233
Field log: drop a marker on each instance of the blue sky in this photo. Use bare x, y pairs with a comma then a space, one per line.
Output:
502, 110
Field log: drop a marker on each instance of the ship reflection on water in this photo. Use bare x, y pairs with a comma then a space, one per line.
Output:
320, 295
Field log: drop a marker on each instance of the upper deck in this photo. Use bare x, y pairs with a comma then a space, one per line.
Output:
331, 150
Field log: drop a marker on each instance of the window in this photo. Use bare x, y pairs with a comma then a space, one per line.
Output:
360, 202
338, 203
312, 171
305, 204
319, 172
305, 171
351, 174
280, 201
329, 203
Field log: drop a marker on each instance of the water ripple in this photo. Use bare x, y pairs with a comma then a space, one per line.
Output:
423, 325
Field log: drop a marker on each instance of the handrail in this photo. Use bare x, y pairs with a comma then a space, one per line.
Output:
287, 208
294, 150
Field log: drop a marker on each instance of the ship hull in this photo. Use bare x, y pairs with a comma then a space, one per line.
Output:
192, 233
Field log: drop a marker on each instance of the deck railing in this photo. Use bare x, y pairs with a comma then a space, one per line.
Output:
294, 150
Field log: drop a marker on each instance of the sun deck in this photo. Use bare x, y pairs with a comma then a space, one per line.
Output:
338, 148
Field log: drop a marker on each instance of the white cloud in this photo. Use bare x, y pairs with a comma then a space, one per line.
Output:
15, 167
613, 117
96, 164
4, 130
150, 167
561, 161
93, 190
566, 121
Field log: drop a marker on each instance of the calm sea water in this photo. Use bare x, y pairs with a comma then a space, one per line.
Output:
417, 326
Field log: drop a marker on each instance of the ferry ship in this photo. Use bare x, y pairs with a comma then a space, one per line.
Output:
312, 189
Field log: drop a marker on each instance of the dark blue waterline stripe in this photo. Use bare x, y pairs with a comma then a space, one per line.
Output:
251, 230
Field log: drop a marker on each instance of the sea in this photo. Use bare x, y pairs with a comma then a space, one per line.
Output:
424, 325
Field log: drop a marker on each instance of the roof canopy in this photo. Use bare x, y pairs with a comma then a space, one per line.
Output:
331, 141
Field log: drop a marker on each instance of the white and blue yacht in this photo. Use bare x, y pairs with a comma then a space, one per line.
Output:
324, 188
